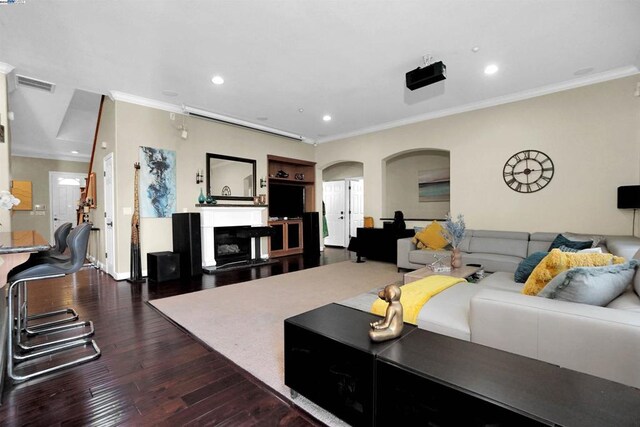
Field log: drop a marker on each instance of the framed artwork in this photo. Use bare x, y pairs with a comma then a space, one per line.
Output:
1, 133
157, 182
434, 185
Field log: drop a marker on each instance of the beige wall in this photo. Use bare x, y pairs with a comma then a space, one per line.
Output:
591, 133
37, 171
141, 126
5, 152
343, 171
401, 189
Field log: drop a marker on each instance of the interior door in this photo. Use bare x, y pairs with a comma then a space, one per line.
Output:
109, 210
334, 197
356, 205
64, 193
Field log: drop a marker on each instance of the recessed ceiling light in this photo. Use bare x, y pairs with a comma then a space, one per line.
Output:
217, 80
491, 69
326, 118
300, 110
475, 49
75, 152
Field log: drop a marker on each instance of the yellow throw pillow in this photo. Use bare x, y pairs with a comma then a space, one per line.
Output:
431, 237
557, 262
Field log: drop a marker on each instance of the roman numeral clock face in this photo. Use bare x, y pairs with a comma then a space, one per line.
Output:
528, 171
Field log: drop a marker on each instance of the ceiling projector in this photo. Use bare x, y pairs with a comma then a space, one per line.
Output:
421, 77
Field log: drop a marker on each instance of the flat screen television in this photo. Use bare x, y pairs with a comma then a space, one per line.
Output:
286, 200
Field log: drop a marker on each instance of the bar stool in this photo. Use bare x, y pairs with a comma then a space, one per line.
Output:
77, 241
56, 253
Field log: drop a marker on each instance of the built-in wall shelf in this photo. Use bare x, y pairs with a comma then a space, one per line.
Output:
291, 180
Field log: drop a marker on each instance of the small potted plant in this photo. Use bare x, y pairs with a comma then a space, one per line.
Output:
454, 231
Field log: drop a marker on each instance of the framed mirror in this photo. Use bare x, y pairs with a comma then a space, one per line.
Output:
230, 178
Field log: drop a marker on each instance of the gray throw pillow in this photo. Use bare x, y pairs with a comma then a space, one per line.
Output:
636, 279
591, 285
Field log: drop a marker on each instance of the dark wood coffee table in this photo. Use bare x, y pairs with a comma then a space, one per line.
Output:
424, 378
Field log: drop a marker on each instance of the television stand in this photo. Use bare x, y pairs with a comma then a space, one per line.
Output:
287, 238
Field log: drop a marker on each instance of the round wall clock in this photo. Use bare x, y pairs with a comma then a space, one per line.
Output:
528, 171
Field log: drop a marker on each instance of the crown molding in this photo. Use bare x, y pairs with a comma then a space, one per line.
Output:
49, 156
520, 96
6, 68
145, 102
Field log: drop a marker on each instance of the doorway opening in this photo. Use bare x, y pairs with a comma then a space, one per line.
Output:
64, 193
343, 200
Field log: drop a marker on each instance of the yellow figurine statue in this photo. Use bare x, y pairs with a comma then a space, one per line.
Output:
391, 326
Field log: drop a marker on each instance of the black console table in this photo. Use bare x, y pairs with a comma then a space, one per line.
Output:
329, 359
424, 378
380, 244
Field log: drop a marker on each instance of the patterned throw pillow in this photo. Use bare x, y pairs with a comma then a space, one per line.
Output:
557, 262
431, 237
560, 240
564, 248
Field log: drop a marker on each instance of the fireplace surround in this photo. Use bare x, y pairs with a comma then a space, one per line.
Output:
242, 217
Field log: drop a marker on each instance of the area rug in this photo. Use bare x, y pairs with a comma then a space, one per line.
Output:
245, 321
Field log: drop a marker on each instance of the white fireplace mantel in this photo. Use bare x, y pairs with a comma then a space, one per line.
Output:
229, 216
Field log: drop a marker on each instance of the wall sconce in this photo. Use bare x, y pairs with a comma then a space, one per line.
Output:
263, 182
199, 176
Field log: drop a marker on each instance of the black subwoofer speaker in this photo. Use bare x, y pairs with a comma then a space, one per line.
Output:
311, 233
163, 266
186, 242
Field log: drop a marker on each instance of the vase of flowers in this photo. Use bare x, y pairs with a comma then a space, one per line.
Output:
454, 231
7, 200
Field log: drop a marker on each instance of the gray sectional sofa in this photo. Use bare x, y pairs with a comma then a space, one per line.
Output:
602, 341
495, 250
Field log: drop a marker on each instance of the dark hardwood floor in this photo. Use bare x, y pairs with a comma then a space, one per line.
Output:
151, 372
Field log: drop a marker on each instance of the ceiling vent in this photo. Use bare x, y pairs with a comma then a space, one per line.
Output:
34, 83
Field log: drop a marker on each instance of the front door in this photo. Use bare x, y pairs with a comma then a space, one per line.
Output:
64, 193
333, 195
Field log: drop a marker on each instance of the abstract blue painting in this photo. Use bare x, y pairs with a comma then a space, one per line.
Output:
157, 182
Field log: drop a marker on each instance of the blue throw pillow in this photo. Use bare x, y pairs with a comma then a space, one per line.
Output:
527, 265
591, 285
560, 240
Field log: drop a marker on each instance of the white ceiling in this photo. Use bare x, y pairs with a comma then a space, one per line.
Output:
346, 58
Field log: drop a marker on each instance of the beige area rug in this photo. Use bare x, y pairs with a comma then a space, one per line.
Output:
245, 321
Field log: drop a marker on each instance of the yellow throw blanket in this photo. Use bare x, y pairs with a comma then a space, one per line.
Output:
416, 294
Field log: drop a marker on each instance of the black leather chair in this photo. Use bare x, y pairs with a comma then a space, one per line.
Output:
17, 350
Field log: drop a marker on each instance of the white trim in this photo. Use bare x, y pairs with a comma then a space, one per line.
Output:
145, 102
39, 155
6, 68
527, 94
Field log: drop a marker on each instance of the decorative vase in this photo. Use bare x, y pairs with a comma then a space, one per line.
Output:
210, 200
456, 258
201, 198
